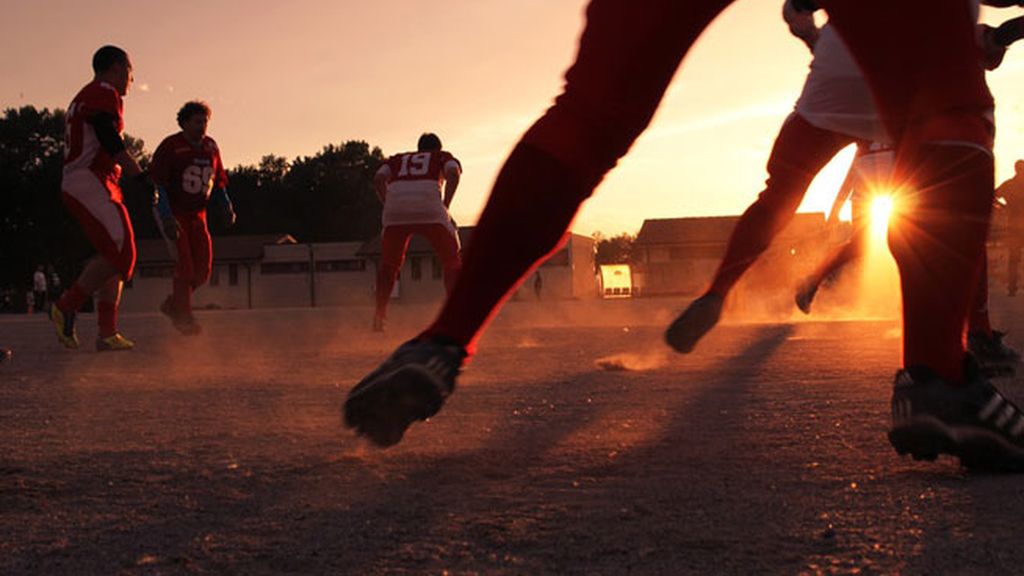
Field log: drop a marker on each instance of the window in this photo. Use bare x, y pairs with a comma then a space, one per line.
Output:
341, 265
415, 268
435, 268
215, 275
232, 274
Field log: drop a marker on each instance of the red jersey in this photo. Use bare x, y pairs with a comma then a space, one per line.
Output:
188, 173
415, 187
82, 150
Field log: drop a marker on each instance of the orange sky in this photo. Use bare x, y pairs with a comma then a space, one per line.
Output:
288, 78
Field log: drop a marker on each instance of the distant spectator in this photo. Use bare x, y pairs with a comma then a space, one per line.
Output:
54, 287
39, 289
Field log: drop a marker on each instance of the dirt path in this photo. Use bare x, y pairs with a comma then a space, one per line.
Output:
762, 453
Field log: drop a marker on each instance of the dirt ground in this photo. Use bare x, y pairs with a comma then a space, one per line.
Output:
763, 452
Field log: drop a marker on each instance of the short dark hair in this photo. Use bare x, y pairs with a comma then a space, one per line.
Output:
428, 142
106, 57
192, 108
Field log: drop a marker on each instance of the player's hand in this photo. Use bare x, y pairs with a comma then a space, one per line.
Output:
226, 217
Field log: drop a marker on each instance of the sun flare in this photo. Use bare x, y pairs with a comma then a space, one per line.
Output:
881, 211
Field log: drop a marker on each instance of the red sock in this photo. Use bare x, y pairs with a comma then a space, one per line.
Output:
533, 202
938, 239
107, 318
73, 298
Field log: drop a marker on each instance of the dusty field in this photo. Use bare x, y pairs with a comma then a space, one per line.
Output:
764, 452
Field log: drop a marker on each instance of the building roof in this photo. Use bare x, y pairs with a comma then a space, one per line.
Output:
225, 248
716, 229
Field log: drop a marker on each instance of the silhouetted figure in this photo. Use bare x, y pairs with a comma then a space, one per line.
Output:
1012, 193
416, 189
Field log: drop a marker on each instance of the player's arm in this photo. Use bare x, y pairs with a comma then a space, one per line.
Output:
1002, 3
1009, 32
381, 180
219, 196
225, 209
452, 173
804, 5
105, 126
994, 41
801, 24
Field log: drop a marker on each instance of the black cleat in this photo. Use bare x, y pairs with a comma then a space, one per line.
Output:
972, 421
697, 320
5, 355
412, 384
805, 296
995, 357
184, 323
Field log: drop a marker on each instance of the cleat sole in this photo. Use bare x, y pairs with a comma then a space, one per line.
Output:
383, 410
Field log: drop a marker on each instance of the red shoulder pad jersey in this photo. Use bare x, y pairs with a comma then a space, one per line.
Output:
420, 166
415, 188
82, 150
188, 173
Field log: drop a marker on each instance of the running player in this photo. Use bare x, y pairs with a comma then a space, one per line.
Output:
189, 175
626, 59
872, 170
95, 158
416, 189
834, 110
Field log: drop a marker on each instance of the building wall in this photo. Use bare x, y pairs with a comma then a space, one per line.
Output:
583, 254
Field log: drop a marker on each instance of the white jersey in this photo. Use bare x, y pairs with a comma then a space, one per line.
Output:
416, 181
835, 96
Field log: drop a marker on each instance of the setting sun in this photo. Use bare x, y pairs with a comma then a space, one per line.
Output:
881, 210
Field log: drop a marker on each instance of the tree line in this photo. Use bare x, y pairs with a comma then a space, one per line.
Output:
321, 198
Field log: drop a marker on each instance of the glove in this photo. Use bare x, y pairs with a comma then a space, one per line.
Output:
992, 51
801, 25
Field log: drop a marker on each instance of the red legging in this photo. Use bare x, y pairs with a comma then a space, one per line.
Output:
920, 59
195, 258
800, 151
395, 240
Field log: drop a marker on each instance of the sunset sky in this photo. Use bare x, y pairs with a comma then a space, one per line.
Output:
289, 78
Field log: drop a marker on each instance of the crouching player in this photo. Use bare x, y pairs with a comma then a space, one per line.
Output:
189, 175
